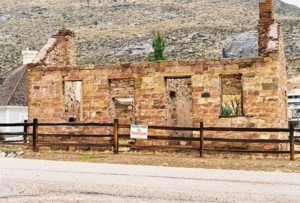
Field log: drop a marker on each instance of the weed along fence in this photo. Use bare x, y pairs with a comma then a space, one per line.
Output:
115, 139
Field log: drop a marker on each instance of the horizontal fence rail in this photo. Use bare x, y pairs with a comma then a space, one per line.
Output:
202, 139
247, 129
75, 135
78, 124
250, 151
15, 124
247, 140
75, 144
163, 128
25, 133
16, 133
34, 134
115, 136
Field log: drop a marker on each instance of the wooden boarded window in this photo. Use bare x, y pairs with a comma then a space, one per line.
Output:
72, 91
231, 95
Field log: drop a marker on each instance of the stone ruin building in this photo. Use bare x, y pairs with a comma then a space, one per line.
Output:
244, 92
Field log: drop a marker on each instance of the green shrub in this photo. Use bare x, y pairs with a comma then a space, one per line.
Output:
158, 46
225, 111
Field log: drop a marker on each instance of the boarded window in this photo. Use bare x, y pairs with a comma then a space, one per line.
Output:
72, 91
231, 96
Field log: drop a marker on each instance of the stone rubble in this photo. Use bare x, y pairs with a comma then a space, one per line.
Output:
11, 154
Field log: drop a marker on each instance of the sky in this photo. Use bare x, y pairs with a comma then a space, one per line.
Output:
294, 2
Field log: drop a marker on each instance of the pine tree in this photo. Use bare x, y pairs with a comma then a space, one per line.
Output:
158, 46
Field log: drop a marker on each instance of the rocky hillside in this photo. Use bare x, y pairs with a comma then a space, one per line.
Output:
118, 31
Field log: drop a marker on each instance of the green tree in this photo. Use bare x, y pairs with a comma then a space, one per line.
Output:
158, 46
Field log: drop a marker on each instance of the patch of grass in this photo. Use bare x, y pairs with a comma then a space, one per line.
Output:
85, 157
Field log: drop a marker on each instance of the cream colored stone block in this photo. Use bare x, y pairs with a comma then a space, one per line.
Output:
232, 67
199, 80
229, 72
216, 82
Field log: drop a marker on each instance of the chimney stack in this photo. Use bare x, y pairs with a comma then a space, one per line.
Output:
266, 20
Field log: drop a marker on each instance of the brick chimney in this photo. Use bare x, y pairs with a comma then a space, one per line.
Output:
266, 26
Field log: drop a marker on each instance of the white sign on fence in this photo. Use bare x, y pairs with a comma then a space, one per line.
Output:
139, 132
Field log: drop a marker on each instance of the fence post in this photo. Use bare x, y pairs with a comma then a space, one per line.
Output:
35, 135
116, 137
292, 141
25, 131
201, 139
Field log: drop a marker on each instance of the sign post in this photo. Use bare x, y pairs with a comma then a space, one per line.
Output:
139, 132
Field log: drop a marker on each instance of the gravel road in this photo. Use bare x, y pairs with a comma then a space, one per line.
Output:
53, 181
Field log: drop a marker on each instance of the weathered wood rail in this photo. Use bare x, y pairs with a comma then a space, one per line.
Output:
116, 136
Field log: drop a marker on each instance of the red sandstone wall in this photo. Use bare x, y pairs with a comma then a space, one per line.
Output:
262, 92
263, 88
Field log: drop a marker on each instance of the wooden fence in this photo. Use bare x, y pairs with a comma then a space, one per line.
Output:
116, 136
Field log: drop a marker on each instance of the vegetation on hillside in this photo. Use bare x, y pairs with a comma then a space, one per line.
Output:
112, 31
158, 46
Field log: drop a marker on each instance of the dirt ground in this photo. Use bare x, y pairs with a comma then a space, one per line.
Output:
170, 159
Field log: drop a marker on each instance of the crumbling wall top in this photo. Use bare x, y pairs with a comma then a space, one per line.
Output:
42, 54
63, 32
59, 50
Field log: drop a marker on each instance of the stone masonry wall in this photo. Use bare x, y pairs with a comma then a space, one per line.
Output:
282, 74
167, 93
264, 105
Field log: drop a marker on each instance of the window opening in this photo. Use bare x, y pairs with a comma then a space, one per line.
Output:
231, 95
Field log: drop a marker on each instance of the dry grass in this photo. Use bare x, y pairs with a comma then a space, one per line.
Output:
171, 159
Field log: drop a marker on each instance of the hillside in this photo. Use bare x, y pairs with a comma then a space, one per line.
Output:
119, 31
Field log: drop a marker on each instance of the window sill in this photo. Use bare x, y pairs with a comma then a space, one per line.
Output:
232, 116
